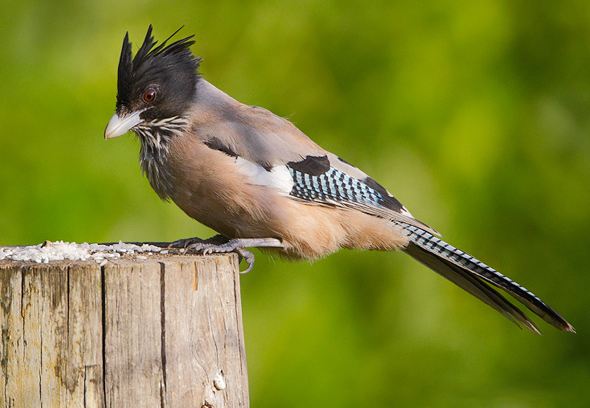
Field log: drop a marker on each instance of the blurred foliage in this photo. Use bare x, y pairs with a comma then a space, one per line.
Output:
476, 114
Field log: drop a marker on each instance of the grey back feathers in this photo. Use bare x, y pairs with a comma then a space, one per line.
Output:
254, 134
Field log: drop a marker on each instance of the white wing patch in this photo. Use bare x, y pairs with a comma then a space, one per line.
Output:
278, 177
405, 212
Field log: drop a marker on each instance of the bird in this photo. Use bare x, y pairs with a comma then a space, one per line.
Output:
259, 181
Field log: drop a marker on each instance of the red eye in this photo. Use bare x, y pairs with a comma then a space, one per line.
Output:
149, 95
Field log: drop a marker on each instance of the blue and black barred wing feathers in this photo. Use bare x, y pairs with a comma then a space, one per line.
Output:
328, 180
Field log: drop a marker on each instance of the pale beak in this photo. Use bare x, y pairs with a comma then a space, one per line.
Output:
119, 125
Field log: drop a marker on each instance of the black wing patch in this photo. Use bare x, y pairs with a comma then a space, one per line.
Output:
388, 200
315, 180
314, 166
216, 144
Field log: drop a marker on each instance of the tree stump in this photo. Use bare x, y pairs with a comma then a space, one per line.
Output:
138, 331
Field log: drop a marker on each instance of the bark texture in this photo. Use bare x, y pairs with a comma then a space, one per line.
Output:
157, 331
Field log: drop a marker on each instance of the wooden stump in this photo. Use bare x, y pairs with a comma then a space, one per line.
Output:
156, 331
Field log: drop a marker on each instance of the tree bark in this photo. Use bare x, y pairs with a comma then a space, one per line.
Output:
155, 331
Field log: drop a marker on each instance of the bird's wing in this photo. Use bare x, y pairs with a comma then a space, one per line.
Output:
328, 180
271, 151
257, 135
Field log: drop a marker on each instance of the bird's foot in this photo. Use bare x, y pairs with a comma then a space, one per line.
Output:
220, 245
190, 242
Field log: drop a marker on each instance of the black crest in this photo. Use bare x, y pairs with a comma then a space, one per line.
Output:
172, 68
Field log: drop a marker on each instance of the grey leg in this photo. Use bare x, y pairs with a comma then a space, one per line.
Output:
240, 243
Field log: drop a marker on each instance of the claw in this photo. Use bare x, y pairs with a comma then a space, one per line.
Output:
206, 248
248, 257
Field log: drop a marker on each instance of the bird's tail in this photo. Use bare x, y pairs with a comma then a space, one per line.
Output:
476, 277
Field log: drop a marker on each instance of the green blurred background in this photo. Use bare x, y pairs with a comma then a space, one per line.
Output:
476, 114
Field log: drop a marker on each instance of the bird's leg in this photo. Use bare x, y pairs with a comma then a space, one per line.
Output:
219, 244
238, 246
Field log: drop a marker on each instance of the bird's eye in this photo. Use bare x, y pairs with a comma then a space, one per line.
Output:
149, 95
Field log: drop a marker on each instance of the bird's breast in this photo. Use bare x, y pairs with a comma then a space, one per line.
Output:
208, 188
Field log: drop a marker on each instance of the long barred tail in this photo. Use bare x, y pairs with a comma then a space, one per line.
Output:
474, 276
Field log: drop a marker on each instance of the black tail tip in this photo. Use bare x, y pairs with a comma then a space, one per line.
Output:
569, 328
566, 327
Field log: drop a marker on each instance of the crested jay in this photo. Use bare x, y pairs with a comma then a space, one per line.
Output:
259, 181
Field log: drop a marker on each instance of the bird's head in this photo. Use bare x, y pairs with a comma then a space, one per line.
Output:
154, 89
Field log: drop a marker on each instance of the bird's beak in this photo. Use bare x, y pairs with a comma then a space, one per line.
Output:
119, 125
